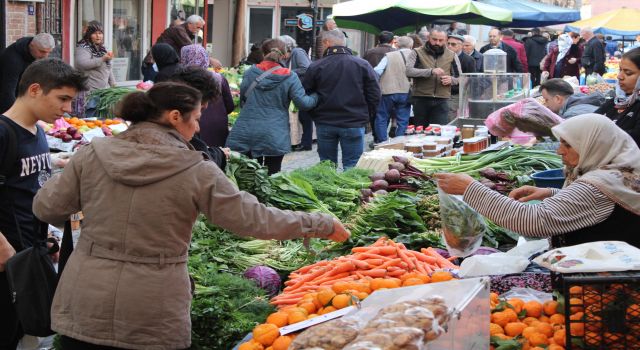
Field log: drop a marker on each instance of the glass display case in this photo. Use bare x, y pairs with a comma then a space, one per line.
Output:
483, 93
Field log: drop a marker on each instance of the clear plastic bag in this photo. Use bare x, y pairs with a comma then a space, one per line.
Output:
462, 226
527, 115
595, 78
397, 338
333, 335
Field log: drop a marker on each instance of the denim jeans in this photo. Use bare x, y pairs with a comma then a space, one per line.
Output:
307, 128
388, 104
351, 141
430, 110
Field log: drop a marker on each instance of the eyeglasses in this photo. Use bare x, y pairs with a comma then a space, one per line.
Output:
452, 44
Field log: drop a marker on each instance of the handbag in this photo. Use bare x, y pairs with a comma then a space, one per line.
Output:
255, 83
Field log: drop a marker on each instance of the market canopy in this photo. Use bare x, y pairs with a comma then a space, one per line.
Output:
374, 16
528, 14
623, 21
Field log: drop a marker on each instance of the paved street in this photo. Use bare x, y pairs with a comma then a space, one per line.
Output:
305, 159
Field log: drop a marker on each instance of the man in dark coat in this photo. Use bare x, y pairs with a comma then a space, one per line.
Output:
183, 34
536, 47
495, 42
15, 59
467, 65
594, 55
349, 95
469, 47
385, 41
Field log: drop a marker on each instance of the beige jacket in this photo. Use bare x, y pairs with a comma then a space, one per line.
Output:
126, 284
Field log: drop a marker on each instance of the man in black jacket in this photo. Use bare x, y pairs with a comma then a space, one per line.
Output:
469, 47
467, 65
495, 42
536, 47
385, 41
594, 54
349, 95
15, 59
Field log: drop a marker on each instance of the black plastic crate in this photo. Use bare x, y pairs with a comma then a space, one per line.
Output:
602, 310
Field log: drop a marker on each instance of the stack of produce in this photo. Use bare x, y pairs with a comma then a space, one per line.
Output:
401, 176
330, 285
516, 324
107, 99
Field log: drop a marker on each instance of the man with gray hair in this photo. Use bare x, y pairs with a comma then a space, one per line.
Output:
395, 86
15, 59
469, 47
183, 34
349, 96
594, 53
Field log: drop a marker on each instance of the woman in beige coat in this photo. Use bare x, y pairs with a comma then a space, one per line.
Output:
126, 284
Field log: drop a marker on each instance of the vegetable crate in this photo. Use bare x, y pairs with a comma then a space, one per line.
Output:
602, 310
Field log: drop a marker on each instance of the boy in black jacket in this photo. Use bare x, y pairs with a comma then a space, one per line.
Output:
45, 93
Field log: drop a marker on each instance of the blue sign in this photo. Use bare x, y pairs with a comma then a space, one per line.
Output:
30, 10
305, 22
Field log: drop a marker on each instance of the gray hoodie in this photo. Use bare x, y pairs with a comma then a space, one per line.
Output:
580, 103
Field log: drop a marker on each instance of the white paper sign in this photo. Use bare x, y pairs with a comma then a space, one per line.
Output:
120, 68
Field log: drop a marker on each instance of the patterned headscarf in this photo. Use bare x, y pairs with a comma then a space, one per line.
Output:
609, 158
564, 44
85, 42
622, 100
194, 55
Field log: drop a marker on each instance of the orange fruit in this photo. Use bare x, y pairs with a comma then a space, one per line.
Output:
592, 339
536, 339
494, 297
327, 310
529, 320
633, 311
576, 305
551, 347
545, 328
513, 316
414, 281
441, 276
577, 329
312, 316
594, 324
297, 315
560, 337
495, 329
325, 295
251, 345
421, 276
377, 283
341, 286
266, 333
282, 343
309, 306
514, 329
500, 318
517, 304
533, 308
550, 307
341, 301
592, 310
279, 319
392, 283
544, 318
527, 332
576, 290
361, 295
503, 336
578, 316
557, 319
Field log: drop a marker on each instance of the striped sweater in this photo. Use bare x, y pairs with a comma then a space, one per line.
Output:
575, 207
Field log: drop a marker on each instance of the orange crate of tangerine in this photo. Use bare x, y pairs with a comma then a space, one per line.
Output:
603, 309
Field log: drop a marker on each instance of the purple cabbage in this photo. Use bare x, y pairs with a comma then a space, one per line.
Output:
265, 277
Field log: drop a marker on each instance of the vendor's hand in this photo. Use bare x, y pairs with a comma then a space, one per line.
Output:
437, 72
226, 151
454, 183
529, 193
340, 233
446, 80
6, 252
572, 60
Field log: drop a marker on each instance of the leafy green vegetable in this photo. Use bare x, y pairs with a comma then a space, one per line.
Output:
250, 176
107, 99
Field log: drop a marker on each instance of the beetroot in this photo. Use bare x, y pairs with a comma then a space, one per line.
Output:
397, 165
376, 176
366, 192
380, 193
401, 159
379, 185
392, 176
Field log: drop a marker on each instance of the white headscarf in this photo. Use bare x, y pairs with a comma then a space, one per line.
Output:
609, 158
564, 44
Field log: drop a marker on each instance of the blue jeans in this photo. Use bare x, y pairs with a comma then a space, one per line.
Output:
351, 142
389, 103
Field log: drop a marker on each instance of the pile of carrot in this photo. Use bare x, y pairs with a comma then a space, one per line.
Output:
382, 259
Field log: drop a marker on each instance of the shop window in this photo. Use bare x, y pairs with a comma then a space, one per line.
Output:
127, 39
294, 22
260, 24
180, 10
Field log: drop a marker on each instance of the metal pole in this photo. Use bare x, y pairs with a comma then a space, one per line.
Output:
314, 37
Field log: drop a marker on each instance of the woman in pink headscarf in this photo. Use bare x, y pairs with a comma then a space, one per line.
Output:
214, 123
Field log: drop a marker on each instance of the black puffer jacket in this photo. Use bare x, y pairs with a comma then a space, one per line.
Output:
627, 119
536, 48
13, 62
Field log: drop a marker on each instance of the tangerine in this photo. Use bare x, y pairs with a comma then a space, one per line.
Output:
514, 329
536, 339
560, 337
266, 333
325, 295
550, 307
251, 345
341, 301
576, 305
527, 332
282, 343
278, 318
495, 329
500, 318
533, 308
414, 281
545, 329
441, 276
517, 304
557, 319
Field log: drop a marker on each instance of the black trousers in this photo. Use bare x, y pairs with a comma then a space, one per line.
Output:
307, 128
10, 331
535, 75
430, 110
273, 163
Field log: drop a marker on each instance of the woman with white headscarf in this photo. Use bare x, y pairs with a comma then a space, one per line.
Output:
624, 109
564, 59
600, 199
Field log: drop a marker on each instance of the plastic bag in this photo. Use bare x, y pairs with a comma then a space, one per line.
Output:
527, 115
527, 294
397, 338
463, 227
595, 78
515, 260
592, 257
333, 335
